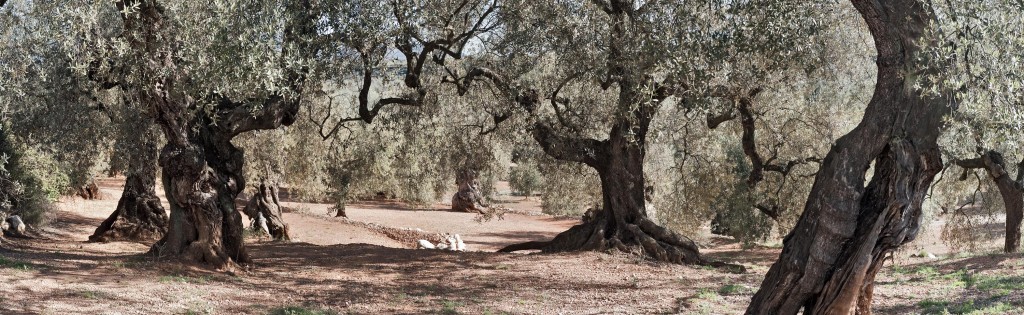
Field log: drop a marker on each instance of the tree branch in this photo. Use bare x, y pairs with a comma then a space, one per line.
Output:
582, 150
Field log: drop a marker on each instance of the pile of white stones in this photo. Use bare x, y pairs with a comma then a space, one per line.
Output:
451, 242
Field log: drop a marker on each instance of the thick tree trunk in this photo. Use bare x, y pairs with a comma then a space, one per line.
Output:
468, 198
90, 191
202, 182
202, 170
622, 222
831, 257
139, 214
264, 210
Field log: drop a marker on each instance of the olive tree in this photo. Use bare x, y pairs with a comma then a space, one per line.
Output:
983, 41
591, 77
205, 73
829, 260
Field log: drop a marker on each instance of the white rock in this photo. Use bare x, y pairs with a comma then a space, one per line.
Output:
261, 222
932, 256
442, 246
459, 245
425, 244
452, 245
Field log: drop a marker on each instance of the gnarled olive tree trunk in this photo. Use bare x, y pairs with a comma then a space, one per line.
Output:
468, 198
622, 222
829, 260
201, 168
264, 210
139, 214
89, 191
201, 178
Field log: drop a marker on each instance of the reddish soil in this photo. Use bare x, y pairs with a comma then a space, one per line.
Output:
340, 266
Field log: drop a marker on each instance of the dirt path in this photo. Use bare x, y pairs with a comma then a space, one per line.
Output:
314, 223
479, 236
343, 268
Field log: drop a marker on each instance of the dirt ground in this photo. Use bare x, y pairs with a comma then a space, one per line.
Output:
344, 266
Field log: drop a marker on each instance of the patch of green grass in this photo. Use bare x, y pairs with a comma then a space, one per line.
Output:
968, 308
185, 279
300, 310
399, 299
706, 294
992, 283
730, 289
14, 264
932, 306
449, 307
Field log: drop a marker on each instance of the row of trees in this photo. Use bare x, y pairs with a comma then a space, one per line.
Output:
731, 110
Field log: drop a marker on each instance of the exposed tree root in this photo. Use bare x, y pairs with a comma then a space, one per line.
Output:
645, 238
136, 218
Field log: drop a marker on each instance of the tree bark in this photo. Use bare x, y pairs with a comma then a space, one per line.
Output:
341, 196
90, 191
830, 259
468, 198
139, 214
201, 183
264, 210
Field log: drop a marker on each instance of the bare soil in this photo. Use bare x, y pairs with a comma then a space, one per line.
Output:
351, 266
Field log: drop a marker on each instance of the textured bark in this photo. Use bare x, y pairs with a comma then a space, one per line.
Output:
264, 210
139, 215
90, 191
468, 198
829, 260
201, 168
201, 183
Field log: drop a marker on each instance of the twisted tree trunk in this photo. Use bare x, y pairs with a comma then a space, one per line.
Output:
830, 259
264, 211
139, 214
201, 178
468, 198
622, 223
90, 191
202, 169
